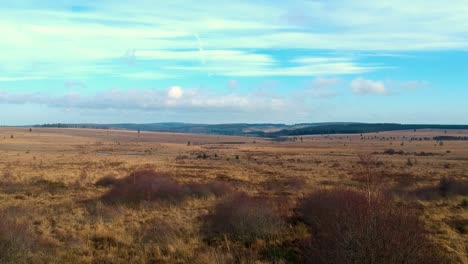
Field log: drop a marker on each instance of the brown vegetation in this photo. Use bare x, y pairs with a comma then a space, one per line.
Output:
97, 196
244, 218
149, 185
346, 228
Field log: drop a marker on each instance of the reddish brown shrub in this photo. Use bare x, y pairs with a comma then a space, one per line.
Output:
148, 185
244, 218
346, 228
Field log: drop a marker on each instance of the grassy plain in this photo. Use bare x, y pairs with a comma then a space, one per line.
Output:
48, 189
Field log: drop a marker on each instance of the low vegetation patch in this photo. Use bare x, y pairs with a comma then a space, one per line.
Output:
349, 226
15, 240
401, 152
447, 187
160, 232
149, 185
244, 218
293, 184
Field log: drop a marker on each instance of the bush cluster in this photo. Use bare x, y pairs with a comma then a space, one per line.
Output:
149, 185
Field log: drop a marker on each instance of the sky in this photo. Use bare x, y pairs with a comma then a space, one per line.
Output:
296, 61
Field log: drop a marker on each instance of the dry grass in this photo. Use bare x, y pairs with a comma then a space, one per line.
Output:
57, 178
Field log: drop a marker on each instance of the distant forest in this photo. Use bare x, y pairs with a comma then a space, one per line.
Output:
357, 129
268, 130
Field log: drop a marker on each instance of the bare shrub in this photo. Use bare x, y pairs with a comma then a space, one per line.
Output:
347, 229
149, 185
244, 218
366, 173
146, 185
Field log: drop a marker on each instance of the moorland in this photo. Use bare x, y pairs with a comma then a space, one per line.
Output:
71, 195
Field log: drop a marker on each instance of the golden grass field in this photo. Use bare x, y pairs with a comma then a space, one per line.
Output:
48, 188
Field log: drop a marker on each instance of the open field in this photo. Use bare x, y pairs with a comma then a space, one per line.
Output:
48, 176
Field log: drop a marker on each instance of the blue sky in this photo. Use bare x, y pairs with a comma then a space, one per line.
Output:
290, 62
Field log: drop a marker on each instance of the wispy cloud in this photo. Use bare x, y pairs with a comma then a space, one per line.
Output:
101, 32
361, 86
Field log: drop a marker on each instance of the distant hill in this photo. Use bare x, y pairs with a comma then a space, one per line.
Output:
356, 128
262, 130
239, 129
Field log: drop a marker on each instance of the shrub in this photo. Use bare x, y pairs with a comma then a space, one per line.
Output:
348, 228
244, 218
148, 185
393, 152
106, 181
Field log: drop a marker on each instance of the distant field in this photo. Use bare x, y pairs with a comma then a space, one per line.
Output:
48, 181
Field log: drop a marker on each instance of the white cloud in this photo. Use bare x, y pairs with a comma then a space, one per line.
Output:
175, 92
361, 86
